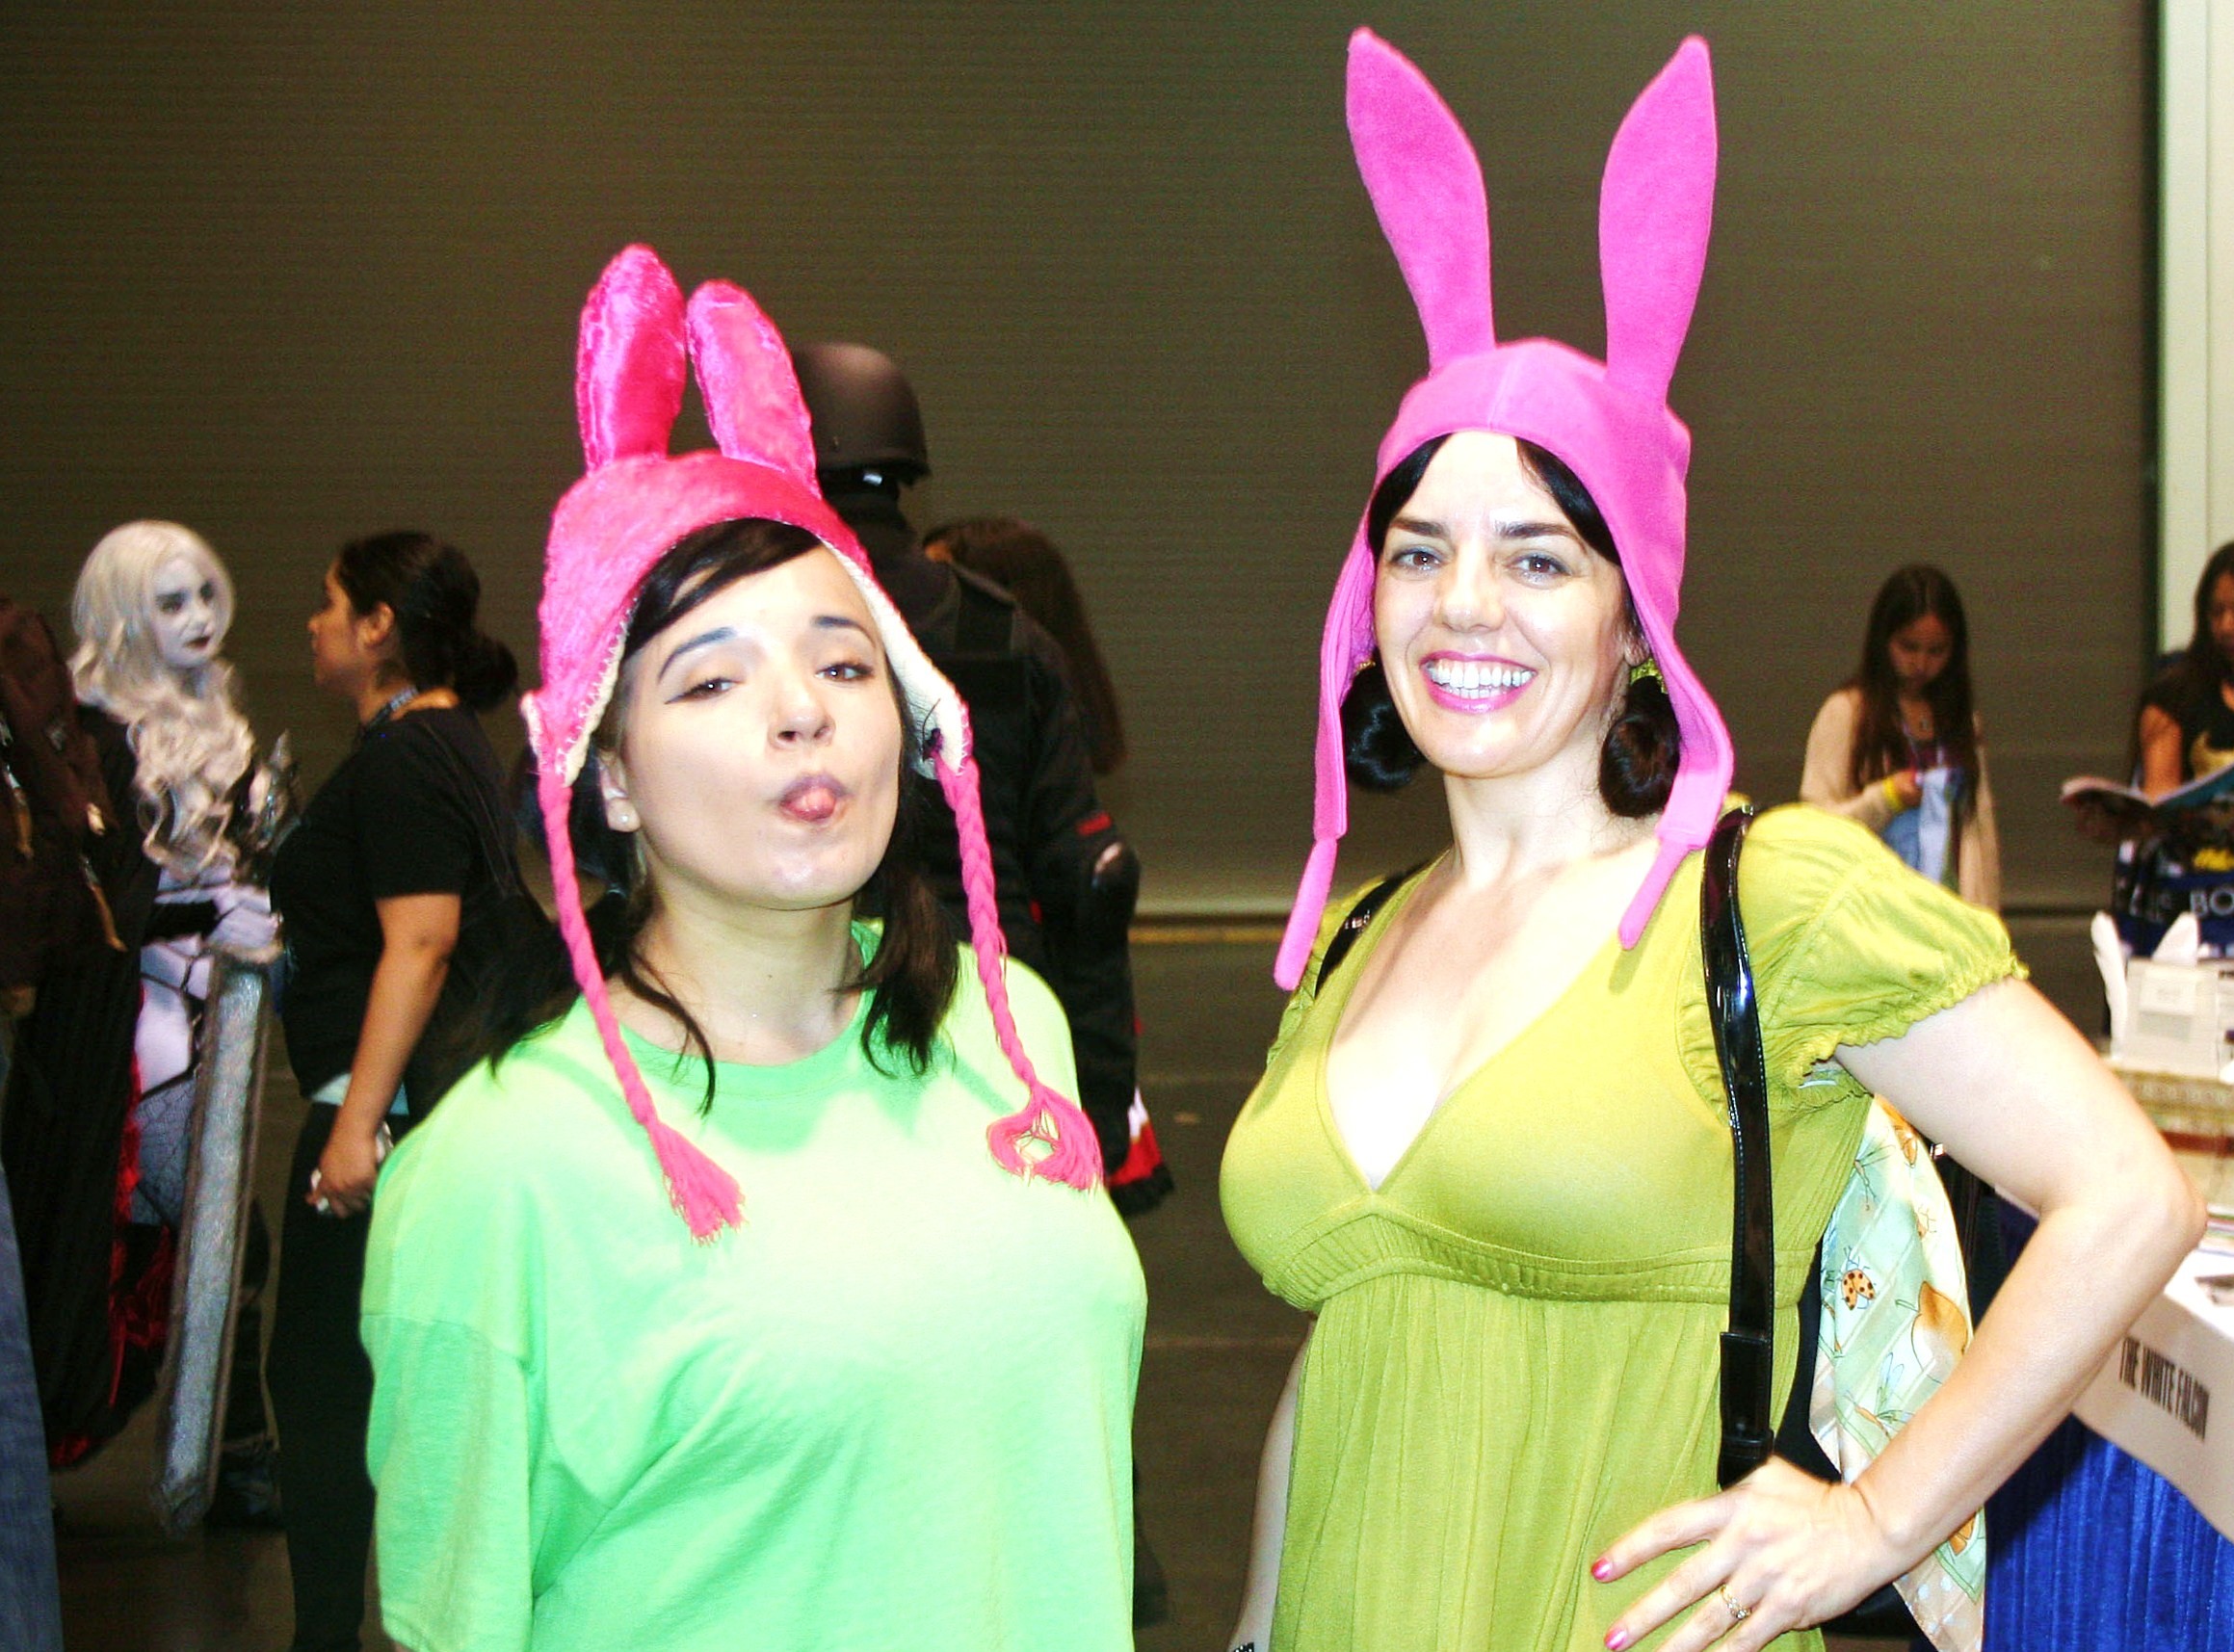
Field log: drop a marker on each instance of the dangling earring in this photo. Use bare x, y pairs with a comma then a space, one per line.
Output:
1647, 667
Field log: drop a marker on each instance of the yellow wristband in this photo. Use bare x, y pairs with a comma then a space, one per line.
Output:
1892, 789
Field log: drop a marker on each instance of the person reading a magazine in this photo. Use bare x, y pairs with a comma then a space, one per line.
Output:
2187, 716
2175, 826
1897, 747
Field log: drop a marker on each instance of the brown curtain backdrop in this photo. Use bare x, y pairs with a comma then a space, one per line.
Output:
296, 274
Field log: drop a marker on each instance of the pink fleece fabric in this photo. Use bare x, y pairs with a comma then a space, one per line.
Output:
1608, 422
634, 503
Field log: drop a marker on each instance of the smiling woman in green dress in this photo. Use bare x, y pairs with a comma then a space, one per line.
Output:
1490, 1153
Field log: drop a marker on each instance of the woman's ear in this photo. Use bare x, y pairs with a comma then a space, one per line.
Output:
613, 793
375, 631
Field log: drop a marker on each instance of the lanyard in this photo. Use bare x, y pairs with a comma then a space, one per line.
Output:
381, 717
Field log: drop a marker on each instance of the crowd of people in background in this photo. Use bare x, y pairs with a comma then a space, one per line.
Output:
399, 893
736, 1238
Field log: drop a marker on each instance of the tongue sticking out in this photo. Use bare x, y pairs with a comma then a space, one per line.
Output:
811, 800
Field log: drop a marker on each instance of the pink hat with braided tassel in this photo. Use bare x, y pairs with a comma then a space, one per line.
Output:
611, 527
1608, 422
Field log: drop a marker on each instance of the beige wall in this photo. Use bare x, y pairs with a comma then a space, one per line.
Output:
292, 276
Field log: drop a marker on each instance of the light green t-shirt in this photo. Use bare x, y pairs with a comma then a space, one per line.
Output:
893, 1410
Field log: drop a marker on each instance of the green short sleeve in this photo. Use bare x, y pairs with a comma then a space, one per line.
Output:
1850, 946
448, 1448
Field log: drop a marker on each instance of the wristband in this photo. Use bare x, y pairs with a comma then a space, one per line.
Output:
1892, 790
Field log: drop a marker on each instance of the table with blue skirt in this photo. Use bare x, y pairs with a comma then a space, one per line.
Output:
2092, 1550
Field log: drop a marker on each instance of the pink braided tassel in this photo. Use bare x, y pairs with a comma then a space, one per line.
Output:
704, 1195
1074, 1154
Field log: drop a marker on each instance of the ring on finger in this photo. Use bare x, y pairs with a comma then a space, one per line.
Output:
1738, 1614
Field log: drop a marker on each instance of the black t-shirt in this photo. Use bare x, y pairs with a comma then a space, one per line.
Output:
2206, 724
416, 809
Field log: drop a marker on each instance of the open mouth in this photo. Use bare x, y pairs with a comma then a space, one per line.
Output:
812, 800
1474, 685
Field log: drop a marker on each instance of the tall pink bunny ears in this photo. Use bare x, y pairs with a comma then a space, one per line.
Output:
1608, 422
633, 505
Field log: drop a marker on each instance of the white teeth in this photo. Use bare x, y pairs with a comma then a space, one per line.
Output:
1476, 676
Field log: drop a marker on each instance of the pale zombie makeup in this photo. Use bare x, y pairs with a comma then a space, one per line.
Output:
760, 742
1503, 635
187, 620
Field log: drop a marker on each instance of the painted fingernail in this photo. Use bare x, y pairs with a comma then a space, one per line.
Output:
1601, 1568
1615, 1640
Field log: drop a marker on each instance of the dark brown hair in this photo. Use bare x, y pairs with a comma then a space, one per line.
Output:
910, 979
1637, 763
435, 597
1025, 563
2200, 670
1880, 736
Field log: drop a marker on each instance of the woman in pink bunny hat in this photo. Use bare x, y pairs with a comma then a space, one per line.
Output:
759, 1288
1491, 1151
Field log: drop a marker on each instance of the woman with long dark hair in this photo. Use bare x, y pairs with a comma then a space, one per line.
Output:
2187, 715
1493, 1148
393, 890
720, 1306
1898, 746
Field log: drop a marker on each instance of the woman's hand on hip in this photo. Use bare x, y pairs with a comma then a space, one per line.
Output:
347, 1171
1781, 1550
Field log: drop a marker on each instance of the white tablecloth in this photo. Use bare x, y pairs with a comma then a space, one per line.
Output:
2166, 1394
2155, 1396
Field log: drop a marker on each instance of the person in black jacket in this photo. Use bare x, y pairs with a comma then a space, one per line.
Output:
1067, 880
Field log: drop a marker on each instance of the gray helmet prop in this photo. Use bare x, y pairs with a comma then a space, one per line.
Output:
863, 412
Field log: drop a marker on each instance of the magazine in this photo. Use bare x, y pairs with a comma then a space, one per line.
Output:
2198, 814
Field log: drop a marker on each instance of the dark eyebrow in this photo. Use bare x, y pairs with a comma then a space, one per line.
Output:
1521, 529
728, 634
704, 640
1537, 531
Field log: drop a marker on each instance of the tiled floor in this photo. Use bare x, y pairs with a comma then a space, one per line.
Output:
1219, 1345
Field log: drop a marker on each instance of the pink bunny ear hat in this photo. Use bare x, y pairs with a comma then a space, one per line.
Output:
1608, 422
609, 530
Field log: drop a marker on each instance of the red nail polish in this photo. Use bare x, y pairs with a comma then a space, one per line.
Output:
1601, 1568
1615, 1640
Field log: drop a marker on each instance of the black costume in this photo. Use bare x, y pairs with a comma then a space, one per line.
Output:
1045, 828
97, 1284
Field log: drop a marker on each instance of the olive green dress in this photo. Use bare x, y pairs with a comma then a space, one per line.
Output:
1515, 1355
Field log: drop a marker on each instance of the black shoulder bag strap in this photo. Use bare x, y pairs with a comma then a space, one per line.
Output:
1748, 1416
1355, 923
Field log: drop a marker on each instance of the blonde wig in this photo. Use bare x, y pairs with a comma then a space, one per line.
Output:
192, 743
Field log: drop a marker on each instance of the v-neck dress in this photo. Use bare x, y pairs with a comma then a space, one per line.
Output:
1515, 1356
